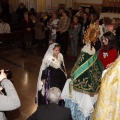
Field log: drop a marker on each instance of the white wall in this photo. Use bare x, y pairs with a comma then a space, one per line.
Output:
53, 4
48, 4
69, 3
90, 1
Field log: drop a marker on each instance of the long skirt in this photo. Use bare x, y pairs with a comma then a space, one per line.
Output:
54, 78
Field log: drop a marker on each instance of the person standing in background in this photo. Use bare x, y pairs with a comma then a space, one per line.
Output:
5, 10
21, 10
84, 23
27, 26
63, 33
53, 26
108, 53
74, 36
5, 7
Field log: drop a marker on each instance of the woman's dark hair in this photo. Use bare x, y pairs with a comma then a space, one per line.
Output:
85, 13
21, 4
100, 21
26, 13
57, 45
107, 20
66, 12
112, 43
75, 16
32, 10
95, 18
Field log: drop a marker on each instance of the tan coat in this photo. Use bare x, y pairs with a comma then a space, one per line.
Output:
39, 32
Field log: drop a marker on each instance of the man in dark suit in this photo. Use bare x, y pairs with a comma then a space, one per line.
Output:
52, 111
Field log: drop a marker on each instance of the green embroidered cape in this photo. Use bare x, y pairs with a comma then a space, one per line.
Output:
86, 73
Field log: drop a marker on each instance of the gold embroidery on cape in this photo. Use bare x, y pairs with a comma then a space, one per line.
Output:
108, 103
84, 84
77, 64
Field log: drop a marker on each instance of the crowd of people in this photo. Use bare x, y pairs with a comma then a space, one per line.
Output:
61, 26
83, 96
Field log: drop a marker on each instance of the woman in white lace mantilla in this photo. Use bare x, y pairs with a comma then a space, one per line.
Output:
52, 73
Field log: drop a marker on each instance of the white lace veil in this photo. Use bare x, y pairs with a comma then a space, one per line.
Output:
50, 51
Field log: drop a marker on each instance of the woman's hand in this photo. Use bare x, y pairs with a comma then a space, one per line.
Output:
2, 75
44, 81
1, 88
28, 29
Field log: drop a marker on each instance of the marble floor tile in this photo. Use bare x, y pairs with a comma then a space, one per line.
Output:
25, 74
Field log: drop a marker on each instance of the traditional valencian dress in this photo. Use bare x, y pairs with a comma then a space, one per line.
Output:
80, 92
53, 72
108, 103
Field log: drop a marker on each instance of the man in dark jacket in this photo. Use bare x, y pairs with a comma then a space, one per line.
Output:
52, 111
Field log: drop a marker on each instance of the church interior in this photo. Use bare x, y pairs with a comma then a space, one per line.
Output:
25, 64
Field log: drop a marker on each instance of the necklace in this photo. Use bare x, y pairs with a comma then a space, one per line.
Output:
55, 56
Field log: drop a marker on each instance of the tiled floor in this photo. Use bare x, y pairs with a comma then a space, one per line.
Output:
25, 73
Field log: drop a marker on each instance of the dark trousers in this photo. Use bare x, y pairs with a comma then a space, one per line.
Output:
62, 39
